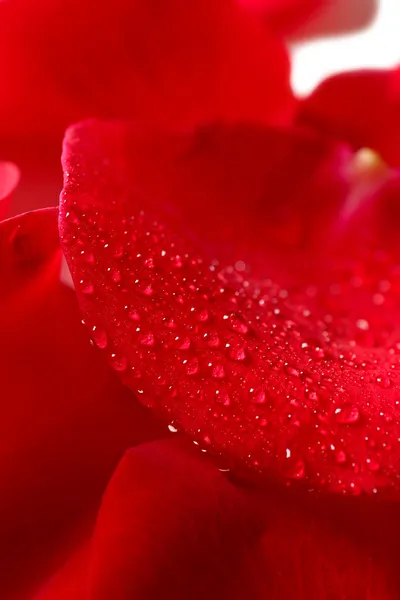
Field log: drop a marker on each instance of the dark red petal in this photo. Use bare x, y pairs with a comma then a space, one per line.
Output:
298, 382
361, 107
171, 526
170, 61
9, 177
70, 583
65, 419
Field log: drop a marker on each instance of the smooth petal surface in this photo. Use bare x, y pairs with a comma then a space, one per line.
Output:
172, 526
9, 177
362, 108
168, 245
286, 15
311, 18
65, 421
169, 61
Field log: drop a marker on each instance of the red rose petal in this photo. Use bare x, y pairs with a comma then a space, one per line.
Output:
172, 526
299, 382
9, 177
309, 18
173, 61
71, 582
361, 107
65, 418
285, 15
157, 536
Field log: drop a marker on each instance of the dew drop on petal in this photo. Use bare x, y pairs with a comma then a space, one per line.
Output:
192, 366
86, 287
147, 339
118, 363
218, 372
347, 415
99, 336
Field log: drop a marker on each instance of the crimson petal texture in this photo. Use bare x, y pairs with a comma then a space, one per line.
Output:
65, 418
9, 177
165, 244
362, 107
169, 61
172, 526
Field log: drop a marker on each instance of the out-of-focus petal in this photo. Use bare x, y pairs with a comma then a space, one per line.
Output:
171, 62
9, 177
158, 537
360, 107
310, 18
172, 527
66, 420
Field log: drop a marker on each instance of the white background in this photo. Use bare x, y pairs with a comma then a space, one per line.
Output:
376, 46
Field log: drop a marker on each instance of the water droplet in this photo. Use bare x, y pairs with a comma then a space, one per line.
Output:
89, 257
238, 325
238, 354
147, 339
134, 315
192, 366
218, 372
347, 415
340, 457
99, 337
177, 262
203, 315
147, 290
182, 343
116, 276
213, 340
172, 429
118, 363
86, 287
372, 464
223, 397
257, 395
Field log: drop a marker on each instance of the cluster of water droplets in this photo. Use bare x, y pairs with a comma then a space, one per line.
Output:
283, 381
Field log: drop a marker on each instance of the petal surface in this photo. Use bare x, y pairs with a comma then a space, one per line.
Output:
170, 61
61, 431
172, 526
9, 177
170, 246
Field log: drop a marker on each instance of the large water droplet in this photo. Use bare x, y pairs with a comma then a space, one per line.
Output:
86, 287
238, 354
347, 415
99, 337
257, 395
